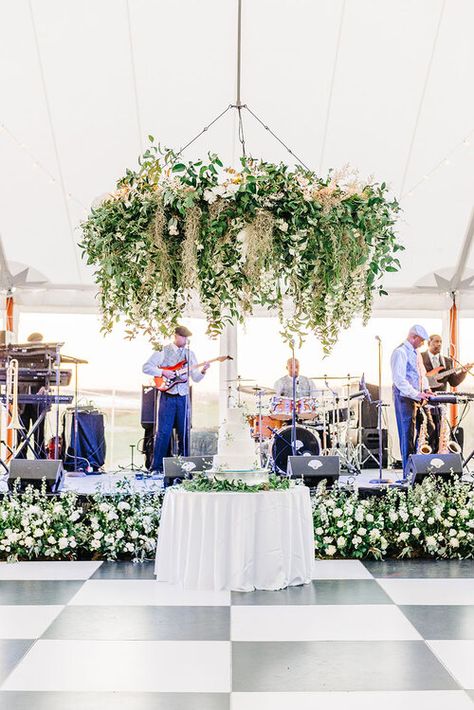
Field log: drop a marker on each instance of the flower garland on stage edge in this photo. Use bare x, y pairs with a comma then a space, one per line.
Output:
432, 520
312, 249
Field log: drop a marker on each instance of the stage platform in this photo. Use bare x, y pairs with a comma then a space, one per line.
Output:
110, 482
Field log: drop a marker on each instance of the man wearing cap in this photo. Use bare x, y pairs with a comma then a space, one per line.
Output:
173, 407
409, 385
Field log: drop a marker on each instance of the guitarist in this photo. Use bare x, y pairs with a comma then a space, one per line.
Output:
436, 363
173, 409
432, 359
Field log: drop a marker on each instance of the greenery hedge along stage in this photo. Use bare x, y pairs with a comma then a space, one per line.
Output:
312, 248
430, 520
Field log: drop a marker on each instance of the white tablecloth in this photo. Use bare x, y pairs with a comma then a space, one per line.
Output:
237, 541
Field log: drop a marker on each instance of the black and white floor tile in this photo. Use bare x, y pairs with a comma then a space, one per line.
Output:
95, 635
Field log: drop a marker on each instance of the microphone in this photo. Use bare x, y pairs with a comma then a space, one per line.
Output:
377, 337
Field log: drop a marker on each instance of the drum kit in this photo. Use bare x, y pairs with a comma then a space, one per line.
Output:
327, 423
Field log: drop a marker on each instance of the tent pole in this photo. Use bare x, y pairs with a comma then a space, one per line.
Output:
454, 346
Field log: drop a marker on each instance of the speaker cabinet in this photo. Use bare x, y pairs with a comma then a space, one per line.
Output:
312, 469
32, 472
421, 465
148, 405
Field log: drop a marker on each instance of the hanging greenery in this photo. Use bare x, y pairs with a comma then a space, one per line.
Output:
312, 249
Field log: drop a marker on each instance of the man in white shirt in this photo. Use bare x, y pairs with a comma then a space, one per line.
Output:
304, 386
409, 385
173, 409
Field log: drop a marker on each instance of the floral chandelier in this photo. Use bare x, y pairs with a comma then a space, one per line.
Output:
312, 248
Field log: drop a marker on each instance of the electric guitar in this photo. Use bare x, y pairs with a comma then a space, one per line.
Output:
438, 374
180, 372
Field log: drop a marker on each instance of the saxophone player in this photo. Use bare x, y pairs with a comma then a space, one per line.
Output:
410, 386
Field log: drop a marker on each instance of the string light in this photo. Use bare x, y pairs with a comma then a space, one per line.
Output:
445, 162
36, 164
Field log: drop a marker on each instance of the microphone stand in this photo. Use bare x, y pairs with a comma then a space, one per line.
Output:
379, 404
187, 418
293, 409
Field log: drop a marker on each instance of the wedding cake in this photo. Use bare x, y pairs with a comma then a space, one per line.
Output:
236, 457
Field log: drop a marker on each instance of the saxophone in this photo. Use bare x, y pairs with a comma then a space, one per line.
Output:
422, 446
446, 445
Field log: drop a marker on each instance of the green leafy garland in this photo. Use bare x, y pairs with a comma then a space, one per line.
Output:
312, 249
202, 483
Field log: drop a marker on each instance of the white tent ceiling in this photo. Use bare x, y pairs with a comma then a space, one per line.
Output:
385, 85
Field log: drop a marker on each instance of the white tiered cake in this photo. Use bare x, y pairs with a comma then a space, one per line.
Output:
236, 458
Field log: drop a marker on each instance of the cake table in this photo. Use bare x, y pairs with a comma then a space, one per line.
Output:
235, 541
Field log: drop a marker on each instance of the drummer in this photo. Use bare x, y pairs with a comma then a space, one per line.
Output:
304, 386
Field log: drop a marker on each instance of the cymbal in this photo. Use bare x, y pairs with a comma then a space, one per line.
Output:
257, 389
241, 379
336, 377
69, 359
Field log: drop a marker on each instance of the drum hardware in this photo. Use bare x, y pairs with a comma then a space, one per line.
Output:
256, 389
238, 379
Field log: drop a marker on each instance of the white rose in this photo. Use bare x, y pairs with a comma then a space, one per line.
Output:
123, 505
75, 516
129, 547
374, 534
361, 532
119, 534
340, 523
415, 531
134, 534
29, 541
453, 532
404, 515
337, 512
431, 541
403, 536
104, 507
62, 543
369, 517
331, 550
454, 542
51, 540
393, 516
452, 512
359, 515
98, 535
431, 520
356, 540
341, 541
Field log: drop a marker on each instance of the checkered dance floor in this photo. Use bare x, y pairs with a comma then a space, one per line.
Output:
86, 635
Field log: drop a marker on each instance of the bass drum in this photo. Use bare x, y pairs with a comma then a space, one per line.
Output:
307, 444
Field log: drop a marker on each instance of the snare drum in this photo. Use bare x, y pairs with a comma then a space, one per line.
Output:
281, 408
254, 421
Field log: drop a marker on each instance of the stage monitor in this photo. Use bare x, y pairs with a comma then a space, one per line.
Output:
421, 465
185, 466
313, 469
31, 472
